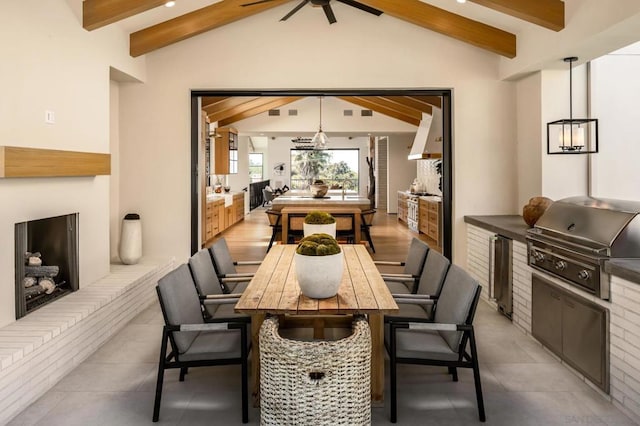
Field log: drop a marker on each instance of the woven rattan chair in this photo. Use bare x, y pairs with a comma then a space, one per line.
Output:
195, 343
316, 382
366, 218
443, 340
408, 279
225, 266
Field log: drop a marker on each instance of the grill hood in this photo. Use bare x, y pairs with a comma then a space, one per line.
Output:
598, 223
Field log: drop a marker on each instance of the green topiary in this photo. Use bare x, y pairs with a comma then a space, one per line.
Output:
316, 217
318, 245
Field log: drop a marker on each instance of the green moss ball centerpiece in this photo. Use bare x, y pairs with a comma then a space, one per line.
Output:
319, 263
319, 222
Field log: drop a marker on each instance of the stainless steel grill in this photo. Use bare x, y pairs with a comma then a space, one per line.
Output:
576, 235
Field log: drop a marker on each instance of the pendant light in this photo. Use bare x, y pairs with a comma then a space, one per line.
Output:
320, 139
572, 135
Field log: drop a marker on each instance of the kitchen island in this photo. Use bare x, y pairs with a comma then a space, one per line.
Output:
330, 201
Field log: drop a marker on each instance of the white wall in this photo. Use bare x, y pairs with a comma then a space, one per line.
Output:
403, 55
400, 171
51, 63
616, 87
530, 138
114, 183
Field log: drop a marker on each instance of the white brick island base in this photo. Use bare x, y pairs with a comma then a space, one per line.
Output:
38, 350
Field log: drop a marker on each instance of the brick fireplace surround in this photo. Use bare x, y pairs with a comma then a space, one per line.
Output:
38, 350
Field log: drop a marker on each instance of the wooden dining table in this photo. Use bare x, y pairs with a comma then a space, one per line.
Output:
274, 289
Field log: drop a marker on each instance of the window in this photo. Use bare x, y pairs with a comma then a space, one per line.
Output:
336, 167
256, 171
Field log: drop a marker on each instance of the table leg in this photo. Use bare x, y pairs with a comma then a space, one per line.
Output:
356, 232
256, 323
285, 228
376, 323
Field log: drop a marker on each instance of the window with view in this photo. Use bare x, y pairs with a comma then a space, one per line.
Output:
256, 170
336, 167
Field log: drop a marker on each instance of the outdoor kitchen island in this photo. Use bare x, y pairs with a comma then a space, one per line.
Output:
623, 305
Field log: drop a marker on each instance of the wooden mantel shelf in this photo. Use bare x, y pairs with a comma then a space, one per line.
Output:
35, 162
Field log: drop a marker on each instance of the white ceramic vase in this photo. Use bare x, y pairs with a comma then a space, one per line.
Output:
130, 249
319, 277
314, 228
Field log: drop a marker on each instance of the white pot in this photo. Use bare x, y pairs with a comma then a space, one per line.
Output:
319, 277
312, 228
130, 250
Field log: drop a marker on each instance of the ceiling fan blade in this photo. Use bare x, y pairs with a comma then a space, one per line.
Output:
294, 10
255, 2
329, 12
362, 7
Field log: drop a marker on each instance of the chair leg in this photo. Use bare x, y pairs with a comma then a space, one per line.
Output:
476, 376
454, 372
163, 354
183, 372
273, 238
393, 377
244, 353
368, 235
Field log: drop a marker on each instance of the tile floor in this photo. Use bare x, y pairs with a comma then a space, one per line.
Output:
522, 383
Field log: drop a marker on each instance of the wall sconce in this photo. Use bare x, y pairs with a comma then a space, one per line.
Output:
572, 135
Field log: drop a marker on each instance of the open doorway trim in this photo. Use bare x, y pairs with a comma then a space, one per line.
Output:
447, 145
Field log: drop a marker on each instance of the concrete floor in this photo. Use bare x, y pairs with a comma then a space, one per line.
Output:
522, 383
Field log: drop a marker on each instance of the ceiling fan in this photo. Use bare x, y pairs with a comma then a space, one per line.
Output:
326, 7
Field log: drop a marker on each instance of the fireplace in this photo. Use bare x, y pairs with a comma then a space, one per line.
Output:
46, 261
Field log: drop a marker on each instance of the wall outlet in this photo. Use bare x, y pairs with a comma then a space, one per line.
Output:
49, 117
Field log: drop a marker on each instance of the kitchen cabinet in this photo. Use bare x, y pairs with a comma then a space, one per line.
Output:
212, 219
429, 219
238, 206
573, 327
402, 206
226, 151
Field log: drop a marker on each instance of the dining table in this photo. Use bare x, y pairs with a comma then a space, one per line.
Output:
274, 290
347, 219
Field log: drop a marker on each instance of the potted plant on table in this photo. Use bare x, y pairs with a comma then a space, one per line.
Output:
319, 263
319, 222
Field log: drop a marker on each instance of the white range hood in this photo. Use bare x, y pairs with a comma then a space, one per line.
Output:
428, 141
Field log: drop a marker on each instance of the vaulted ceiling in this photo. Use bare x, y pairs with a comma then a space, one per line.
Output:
153, 26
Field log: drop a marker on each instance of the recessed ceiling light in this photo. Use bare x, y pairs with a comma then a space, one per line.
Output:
173, 3
461, 1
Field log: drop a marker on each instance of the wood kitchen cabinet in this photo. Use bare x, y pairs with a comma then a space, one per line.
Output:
429, 213
212, 219
402, 206
238, 207
226, 151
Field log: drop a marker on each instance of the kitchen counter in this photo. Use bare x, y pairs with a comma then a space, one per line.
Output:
629, 269
511, 226
282, 201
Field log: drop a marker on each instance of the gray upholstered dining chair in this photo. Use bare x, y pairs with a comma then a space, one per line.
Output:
232, 281
194, 342
442, 341
267, 196
408, 279
209, 288
430, 284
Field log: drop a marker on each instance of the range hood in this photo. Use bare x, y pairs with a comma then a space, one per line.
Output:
428, 141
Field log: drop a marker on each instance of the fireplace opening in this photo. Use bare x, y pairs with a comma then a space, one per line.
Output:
46, 261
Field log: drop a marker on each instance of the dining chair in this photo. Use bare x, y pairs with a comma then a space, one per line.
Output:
441, 341
408, 279
267, 196
366, 220
429, 287
275, 222
209, 288
232, 280
345, 227
194, 342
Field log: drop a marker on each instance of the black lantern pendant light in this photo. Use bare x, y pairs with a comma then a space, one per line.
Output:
573, 135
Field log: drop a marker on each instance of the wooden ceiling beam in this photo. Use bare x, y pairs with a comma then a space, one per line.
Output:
236, 105
435, 101
194, 23
546, 13
98, 13
395, 106
366, 103
269, 103
406, 102
208, 101
447, 23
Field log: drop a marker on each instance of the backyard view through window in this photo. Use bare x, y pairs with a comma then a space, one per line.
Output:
255, 167
336, 167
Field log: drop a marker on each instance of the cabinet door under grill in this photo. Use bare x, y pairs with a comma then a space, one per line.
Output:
546, 315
